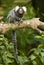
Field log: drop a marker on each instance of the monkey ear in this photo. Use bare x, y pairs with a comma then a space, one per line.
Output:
16, 8
24, 8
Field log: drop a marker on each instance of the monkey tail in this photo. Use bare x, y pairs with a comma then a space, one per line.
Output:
14, 40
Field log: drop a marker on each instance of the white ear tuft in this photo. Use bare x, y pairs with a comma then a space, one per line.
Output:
16, 8
24, 8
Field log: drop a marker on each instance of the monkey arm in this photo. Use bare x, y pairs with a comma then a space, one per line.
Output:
33, 23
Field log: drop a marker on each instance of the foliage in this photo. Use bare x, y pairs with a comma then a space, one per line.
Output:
30, 43
35, 56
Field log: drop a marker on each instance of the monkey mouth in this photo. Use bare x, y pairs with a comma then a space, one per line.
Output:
21, 13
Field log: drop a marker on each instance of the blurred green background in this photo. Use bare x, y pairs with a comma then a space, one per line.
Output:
30, 43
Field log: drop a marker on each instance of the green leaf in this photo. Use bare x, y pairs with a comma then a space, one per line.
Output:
42, 59
22, 59
38, 37
42, 54
32, 57
34, 62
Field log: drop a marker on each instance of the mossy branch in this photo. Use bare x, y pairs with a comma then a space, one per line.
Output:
33, 23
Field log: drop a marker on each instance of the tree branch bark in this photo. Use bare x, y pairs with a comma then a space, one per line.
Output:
33, 23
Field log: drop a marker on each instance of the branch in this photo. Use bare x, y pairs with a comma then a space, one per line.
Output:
33, 23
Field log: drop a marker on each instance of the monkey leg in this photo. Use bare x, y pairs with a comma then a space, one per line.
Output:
14, 40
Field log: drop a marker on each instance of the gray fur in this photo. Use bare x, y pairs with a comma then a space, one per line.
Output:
12, 17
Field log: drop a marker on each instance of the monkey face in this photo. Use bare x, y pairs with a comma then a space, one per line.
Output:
20, 11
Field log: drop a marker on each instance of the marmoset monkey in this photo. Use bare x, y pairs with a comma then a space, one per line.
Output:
15, 15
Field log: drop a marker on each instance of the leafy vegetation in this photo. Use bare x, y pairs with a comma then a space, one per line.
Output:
30, 43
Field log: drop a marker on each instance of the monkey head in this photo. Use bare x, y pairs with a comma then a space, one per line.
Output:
20, 10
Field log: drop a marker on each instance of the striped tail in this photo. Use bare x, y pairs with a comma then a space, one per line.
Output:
14, 40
